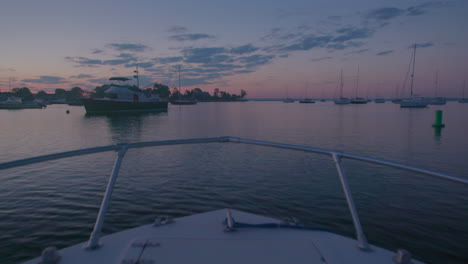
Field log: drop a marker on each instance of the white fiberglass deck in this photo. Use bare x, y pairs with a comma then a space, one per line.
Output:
201, 239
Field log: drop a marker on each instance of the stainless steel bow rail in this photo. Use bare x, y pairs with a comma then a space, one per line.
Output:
337, 156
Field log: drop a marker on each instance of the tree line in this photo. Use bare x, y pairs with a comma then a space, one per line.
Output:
75, 93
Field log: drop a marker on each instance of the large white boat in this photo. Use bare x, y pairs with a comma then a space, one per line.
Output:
226, 235
123, 99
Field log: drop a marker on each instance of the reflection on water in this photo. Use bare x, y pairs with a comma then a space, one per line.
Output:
127, 127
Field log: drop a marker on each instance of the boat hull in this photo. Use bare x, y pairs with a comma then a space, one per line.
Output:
342, 101
96, 106
404, 104
183, 102
22, 106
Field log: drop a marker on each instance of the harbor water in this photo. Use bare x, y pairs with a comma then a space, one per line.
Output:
55, 203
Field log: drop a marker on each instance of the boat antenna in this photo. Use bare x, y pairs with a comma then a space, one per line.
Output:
412, 74
136, 76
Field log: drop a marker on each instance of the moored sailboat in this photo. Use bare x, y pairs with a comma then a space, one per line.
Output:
307, 100
413, 101
358, 100
342, 100
437, 100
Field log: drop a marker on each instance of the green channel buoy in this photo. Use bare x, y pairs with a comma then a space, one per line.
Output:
438, 119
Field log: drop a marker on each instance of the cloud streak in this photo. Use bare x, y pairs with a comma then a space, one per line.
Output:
46, 80
128, 47
191, 37
81, 76
384, 52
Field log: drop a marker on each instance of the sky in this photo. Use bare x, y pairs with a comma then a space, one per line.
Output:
269, 48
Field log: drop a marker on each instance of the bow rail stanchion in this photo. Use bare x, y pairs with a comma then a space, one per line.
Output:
361, 238
93, 241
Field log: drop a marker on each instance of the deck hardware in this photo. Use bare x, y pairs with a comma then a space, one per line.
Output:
229, 222
50, 255
292, 221
402, 256
163, 220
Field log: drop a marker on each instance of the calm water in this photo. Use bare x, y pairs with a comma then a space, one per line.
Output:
55, 203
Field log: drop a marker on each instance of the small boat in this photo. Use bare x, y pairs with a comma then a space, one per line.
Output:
306, 101
225, 235
17, 103
342, 101
323, 100
359, 100
379, 100
413, 102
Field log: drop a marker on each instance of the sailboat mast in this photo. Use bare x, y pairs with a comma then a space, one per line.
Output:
412, 74
357, 82
436, 84
341, 84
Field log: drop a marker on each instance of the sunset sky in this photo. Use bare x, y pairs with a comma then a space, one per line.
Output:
269, 48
